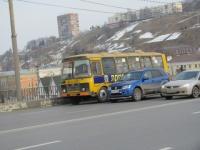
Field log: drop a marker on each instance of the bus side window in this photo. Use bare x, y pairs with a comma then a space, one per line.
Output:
121, 65
157, 62
108, 66
146, 62
134, 63
96, 68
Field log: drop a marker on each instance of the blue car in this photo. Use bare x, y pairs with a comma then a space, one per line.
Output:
137, 84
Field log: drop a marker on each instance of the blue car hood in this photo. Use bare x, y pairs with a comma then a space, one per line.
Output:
123, 83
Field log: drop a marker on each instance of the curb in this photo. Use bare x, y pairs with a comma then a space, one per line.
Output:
14, 106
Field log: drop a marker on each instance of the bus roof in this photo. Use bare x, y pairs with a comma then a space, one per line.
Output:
114, 54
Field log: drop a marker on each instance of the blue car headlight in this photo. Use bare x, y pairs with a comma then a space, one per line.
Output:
109, 88
126, 87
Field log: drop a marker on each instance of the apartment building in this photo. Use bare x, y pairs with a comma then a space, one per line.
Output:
146, 13
68, 25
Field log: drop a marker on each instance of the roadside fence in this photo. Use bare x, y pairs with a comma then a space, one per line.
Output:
31, 94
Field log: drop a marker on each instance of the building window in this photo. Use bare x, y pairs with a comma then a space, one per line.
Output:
189, 66
195, 65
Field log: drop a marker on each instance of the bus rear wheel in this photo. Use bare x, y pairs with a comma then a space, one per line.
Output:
103, 95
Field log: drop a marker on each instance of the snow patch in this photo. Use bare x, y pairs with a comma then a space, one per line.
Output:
159, 38
126, 39
121, 33
147, 35
73, 43
184, 20
195, 26
138, 31
174, 36
100, 37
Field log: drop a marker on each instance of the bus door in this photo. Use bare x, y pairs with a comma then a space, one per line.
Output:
97, 71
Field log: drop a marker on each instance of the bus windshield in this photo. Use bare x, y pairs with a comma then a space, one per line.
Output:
82, 68
76, 69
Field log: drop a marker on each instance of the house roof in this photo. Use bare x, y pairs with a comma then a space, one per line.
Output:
57, 80
45, 81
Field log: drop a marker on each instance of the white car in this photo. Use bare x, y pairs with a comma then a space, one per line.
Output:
186, 83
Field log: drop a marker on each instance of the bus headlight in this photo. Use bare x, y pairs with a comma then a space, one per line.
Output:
83, 89
64, 90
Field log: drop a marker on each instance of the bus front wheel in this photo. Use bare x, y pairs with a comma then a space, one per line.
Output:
103, 95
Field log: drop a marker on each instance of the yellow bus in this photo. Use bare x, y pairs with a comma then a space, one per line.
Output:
89, 75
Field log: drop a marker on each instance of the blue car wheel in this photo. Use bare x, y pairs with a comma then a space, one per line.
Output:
137, 94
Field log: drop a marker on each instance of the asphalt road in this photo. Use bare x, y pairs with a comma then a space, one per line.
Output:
154, 124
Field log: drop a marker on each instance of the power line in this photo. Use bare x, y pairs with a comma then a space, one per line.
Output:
61, 6
107, 5
154, 1
158, 1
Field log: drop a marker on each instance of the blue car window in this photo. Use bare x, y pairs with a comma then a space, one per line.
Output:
156, 73
133, 76
148, 74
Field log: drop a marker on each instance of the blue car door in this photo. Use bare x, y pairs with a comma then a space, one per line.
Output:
158, 78
147, 84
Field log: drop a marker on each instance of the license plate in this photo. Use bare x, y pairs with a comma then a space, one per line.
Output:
171, 92
115, 91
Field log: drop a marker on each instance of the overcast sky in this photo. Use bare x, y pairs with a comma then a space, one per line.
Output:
34, 21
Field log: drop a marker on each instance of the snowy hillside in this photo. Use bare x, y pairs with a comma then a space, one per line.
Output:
149, 35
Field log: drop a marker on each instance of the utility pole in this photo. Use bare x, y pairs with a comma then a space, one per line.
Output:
15, 51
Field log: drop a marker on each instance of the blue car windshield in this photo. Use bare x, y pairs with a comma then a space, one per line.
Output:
190, 75
132, 76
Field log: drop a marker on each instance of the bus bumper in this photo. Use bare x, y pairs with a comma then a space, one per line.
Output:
79, 94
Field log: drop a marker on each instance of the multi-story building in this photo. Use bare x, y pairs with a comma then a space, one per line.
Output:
146, 13
68, 25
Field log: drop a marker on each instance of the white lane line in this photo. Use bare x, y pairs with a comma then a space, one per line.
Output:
166, 148
93, 117
38, 145
86, 110
195, 113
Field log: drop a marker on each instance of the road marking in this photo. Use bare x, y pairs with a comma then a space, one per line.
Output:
93, 117
38, 145
195, 113
74, 112
166, 148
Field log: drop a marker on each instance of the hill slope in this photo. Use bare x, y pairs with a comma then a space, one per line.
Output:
159, 34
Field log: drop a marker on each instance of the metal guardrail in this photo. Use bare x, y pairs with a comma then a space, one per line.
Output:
31, 94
